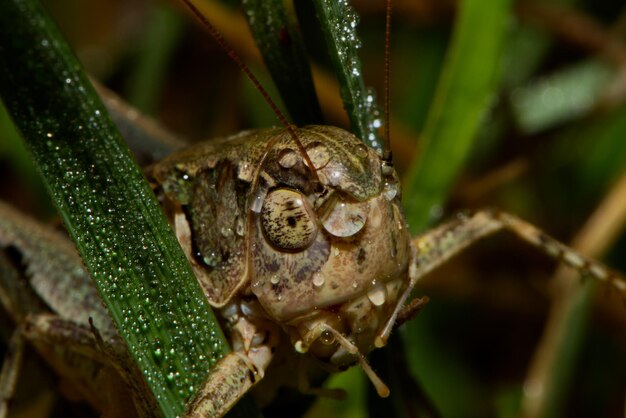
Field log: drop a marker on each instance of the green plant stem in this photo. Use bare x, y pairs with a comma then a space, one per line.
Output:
338, 23
468, 82
155, 51
284, 55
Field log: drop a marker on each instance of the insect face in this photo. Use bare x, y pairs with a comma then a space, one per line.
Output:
330, 266
328, 262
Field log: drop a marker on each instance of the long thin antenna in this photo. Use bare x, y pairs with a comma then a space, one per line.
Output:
387, 148
246, 70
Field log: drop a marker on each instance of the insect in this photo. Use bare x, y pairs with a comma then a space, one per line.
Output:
256, 192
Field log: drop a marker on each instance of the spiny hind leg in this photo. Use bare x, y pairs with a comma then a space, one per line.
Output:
440, 244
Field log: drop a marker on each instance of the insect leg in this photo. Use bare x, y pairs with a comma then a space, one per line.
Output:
10, 371
402, 312
100, 371
44, 267
229, 380
436, 246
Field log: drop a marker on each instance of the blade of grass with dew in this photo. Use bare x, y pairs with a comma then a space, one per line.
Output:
283, 52
108, 208
154, 55
338, 22
468, 82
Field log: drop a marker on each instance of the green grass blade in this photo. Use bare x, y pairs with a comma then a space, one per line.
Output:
338, 22
283, 52
154, 55
469, 80
568, 352
108, 207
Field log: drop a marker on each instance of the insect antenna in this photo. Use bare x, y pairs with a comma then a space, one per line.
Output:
255, 81
387, 137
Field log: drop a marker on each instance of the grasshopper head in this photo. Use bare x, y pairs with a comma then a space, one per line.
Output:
331, 266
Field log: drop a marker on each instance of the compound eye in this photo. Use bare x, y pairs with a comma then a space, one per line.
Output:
288, 220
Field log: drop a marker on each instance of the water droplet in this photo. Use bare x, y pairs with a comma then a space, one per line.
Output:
361, 151
318, 279
275, 279
377, 295
390, 190
288, 158
346, 218
355, 284
257, 201
318, 153
240, 226
435, 212
211, 259
327, 337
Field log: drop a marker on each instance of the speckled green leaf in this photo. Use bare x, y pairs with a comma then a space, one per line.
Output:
284, 55
338, 22
107, 207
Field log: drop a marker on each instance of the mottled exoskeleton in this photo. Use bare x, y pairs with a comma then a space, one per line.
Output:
327, 262
47, 292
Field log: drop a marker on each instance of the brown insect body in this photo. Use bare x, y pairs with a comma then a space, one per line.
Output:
328, 265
